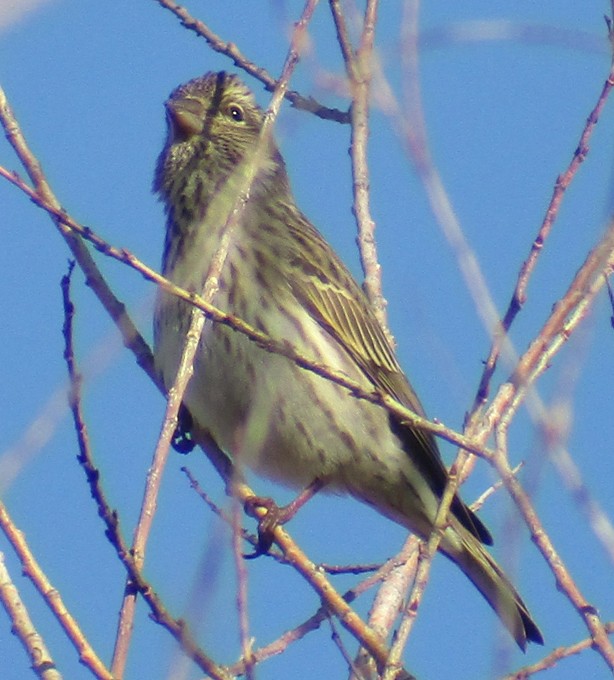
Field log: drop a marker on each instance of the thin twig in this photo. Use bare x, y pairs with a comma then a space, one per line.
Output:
264, 341
334, 602
247, 653
315, 577
349, 619
116, 310
427, 551
565, 318
176, 627
248, 537
482, 498
519, 295
31, 567
564, 581
468, 266
555, 656
160, 615
415, 574
359, 67
413, 133
41, 660
322, 614
185, 370
231, 50
338, 642
109, 517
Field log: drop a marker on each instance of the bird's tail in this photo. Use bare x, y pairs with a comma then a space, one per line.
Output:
488, 577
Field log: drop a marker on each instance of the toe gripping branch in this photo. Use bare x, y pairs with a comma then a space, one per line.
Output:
275, 515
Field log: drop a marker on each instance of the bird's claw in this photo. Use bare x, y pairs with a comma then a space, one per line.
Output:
267, 523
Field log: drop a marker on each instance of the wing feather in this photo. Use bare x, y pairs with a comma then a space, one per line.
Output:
322, 284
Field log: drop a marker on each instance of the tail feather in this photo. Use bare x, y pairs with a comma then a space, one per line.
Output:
488, 577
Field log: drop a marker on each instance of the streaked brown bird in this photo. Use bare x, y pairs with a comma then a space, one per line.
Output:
284, 279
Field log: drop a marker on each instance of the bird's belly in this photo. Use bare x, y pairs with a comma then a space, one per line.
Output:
290, 424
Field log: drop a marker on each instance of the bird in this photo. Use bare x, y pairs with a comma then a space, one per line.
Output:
284, 279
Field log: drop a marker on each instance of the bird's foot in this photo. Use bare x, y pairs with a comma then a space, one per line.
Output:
275, 515
182, 440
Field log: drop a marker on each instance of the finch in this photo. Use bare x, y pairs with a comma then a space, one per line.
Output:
284, 279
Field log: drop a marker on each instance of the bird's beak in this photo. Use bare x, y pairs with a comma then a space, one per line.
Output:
186, 117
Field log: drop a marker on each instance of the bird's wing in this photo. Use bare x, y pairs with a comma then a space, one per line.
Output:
322, 284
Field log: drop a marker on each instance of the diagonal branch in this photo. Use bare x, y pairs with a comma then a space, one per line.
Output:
519, 295
239, 59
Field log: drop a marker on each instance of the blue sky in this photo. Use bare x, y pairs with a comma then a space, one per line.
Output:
87, 81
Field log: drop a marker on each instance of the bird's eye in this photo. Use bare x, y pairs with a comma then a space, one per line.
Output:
236, 113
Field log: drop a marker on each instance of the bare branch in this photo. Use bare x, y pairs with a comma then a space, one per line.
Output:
22, 626
239, 59
564, 580
519, 295
558, 654
359, 69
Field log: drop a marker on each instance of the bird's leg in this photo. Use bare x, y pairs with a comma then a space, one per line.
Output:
275, 515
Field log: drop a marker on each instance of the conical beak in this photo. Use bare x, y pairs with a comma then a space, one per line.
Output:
186, 117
